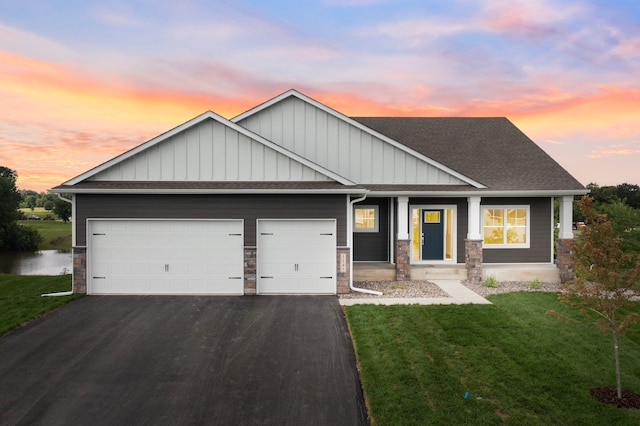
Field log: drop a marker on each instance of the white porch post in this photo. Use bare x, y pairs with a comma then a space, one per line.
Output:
566, 217
403, 218
474, 216
403, 267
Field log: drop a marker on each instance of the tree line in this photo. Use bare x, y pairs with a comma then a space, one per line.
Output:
13, 236
621, 205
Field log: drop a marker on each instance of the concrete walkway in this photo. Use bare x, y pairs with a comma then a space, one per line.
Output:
459, 294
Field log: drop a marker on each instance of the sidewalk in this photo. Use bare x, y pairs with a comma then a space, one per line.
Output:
458, 295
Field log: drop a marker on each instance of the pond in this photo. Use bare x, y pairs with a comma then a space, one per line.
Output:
44, 262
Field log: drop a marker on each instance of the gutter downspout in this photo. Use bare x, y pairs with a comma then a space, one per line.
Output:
62, 293
350, 232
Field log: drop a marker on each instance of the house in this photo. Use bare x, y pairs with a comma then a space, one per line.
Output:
293, 197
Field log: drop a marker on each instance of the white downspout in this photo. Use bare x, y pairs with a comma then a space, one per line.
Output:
62, 293
350, 236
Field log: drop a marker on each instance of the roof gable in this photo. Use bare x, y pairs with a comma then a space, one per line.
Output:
344, 145
489, 150
209, 148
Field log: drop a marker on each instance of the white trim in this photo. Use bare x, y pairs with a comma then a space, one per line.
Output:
340, 116
376, 218
194, 121
504, 225
454, 234
489, 193
72, 190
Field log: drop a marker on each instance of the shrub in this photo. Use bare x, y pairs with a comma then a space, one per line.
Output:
491, 281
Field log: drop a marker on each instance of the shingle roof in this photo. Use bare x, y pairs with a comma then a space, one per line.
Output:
491, 151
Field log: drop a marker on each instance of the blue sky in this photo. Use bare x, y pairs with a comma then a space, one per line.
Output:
84, 80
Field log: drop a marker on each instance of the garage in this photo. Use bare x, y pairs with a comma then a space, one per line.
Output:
296, 256
144, 256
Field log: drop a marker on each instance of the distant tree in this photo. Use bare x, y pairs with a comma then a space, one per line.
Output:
31, 202
48, 205
625, 224
606, 278
12, 235
630, 194
63, 210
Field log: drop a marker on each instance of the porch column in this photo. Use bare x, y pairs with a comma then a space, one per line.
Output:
403, 268
566, 217
473, 242
474, 216
564, 245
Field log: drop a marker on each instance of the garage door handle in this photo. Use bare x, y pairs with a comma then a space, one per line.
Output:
322, 278
235, 278
265, 277
99, 278
239, 235
266, 233
330, 233
99, 234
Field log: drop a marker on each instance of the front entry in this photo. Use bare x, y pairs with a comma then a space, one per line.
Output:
432, 234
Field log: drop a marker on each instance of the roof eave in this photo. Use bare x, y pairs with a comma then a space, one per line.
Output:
481, 193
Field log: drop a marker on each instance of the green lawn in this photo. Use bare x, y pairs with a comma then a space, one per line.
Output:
21, 300
56, 235
520, 364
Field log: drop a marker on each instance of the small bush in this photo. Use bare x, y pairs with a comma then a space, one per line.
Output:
534, 284
491, 281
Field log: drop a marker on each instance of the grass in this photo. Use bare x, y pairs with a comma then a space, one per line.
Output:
21, 300
520, 364
56, 235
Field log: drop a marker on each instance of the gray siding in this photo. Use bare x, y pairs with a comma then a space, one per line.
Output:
373, 246
540, 233
247, 207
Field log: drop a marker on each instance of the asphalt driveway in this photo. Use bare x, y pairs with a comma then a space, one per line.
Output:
165, 360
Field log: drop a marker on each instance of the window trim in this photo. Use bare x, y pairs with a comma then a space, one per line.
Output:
505, 207
376, 218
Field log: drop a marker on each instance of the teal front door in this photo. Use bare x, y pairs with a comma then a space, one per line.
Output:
432, 234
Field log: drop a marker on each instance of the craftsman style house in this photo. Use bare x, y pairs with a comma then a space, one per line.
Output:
293, 197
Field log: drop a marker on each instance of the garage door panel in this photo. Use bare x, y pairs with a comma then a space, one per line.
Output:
296, 257
166, 257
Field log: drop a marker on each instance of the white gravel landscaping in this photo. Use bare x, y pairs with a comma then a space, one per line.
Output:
426, 289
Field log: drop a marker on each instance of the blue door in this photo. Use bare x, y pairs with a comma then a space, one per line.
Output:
432, 234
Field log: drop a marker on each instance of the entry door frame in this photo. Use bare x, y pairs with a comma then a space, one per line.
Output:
454, 233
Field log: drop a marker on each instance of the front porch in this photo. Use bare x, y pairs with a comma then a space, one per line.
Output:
384, 271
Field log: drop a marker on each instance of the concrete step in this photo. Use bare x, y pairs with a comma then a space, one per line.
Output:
438, 272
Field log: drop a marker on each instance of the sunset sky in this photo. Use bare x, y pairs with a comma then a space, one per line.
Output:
83, 81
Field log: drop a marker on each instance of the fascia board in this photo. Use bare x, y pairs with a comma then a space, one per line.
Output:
73, 190
360, 126
195, 121
454, 194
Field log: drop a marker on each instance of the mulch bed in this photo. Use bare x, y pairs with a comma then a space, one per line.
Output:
610, 396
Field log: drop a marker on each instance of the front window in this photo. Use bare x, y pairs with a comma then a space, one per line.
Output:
365, 219
505, 227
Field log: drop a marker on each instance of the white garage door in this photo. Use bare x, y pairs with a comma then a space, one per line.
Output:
296, 256
166, 257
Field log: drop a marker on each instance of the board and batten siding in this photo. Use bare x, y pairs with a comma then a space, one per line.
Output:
539, 250
247, 207
340, 146
209, 151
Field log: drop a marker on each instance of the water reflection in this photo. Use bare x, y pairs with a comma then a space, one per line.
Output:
45, 262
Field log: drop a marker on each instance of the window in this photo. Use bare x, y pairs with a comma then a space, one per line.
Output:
505, 227
365, 219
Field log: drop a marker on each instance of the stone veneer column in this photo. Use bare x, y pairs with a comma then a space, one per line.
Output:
343, 270
250, 271
79, 269
473, 260
564, 262
403, 266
